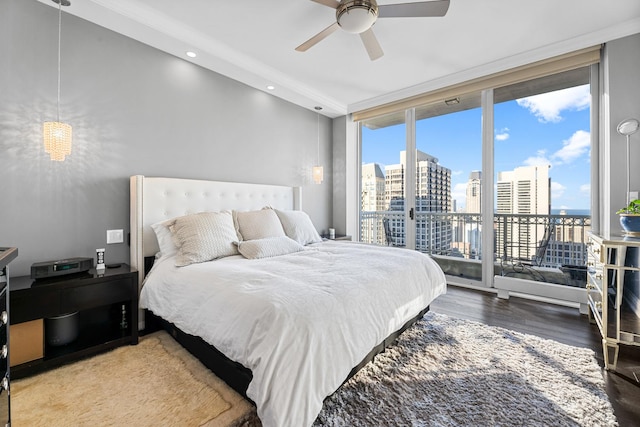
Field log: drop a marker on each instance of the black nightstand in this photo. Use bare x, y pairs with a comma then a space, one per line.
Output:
107, 307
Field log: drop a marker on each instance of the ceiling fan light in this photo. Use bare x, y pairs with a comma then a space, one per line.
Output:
357, 16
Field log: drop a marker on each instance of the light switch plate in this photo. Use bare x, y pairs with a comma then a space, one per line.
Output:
115, 236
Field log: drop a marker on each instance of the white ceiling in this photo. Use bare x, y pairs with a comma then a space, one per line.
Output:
253, 41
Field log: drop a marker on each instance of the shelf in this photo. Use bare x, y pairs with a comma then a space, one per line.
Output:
95, 331
98, 299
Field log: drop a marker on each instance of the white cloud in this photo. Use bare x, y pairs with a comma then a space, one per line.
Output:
574, 147
547, 107
502, 134
456, 173
459, 193
540, 159
557, 190
585, 189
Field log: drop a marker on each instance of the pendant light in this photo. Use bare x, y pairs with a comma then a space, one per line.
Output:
57, 135
317, 171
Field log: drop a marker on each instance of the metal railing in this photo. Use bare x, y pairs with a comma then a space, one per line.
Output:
552, 241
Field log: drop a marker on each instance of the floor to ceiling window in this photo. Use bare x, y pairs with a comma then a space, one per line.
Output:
542, 176
539, 171
382, 180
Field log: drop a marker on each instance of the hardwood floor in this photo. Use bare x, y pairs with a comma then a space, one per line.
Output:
559, 323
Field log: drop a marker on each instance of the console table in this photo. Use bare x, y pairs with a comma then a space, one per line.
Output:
608, 266
107, 306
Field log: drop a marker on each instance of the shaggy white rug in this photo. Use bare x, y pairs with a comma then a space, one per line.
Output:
450, 372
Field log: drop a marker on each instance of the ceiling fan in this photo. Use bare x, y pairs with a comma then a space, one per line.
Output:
358, 16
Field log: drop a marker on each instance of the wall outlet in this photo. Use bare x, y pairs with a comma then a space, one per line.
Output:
633, 195
115, 236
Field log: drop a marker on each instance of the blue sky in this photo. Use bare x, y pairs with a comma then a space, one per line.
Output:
552, 128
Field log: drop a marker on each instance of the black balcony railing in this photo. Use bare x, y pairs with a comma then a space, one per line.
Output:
551, 241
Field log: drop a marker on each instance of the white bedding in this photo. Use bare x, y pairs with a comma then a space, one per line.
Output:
299, 322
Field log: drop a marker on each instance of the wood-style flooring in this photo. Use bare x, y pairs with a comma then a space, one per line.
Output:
559, 323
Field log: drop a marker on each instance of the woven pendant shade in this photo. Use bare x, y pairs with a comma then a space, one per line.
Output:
57, 140
318, 174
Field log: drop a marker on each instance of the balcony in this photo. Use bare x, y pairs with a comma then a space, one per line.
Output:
542, 248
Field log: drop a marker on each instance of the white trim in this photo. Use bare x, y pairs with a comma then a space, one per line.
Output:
486, 198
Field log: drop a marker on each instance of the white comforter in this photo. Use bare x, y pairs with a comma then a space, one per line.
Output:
301, 321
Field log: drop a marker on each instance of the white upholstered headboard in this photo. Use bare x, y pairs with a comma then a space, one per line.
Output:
154, 199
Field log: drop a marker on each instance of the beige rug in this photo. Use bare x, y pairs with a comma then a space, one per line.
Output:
155, 383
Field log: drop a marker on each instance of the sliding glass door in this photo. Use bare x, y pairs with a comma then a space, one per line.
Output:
448, 184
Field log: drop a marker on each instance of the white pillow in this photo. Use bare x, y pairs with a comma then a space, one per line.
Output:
298, 226
260, 224
165, 238
204, 236
268, 247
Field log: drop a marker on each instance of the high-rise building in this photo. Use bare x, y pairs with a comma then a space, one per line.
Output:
474, 192
433, 194
373, 200
524, 191
472, 227
373, 193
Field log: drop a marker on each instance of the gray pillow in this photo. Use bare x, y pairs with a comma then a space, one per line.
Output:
204, 236
268, 247
298, 226
261, 224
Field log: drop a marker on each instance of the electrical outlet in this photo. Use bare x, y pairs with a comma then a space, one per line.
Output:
633, 195
115, 236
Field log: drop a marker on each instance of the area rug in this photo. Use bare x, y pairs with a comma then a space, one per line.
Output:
154, 383
441, 372
450, 372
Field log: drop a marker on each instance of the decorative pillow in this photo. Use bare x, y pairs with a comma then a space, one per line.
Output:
165, 238
203, 237
298, 226
260, 224
268, 247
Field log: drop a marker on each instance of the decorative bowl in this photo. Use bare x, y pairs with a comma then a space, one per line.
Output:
630, 224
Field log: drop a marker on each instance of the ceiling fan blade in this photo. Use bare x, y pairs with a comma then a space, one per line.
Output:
333, 4
318, 37
371, 44
408, 10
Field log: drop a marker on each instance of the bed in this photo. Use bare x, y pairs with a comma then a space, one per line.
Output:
287, 317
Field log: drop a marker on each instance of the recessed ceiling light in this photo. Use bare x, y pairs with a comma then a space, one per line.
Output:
271, 87
191, 54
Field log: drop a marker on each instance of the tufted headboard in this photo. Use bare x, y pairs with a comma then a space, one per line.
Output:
154, 199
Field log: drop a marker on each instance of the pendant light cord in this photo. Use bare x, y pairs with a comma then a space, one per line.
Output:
59, 42
318, 119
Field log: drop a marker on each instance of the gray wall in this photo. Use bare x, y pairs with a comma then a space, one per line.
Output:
623, 89
134, 110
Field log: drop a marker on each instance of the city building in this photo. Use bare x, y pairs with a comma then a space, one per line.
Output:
471, 227
474, 191
523, 195
373, 200
433, 195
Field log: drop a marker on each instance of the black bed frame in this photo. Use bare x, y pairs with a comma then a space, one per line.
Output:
233, 373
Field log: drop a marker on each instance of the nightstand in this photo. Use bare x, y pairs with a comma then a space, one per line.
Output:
106, 304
